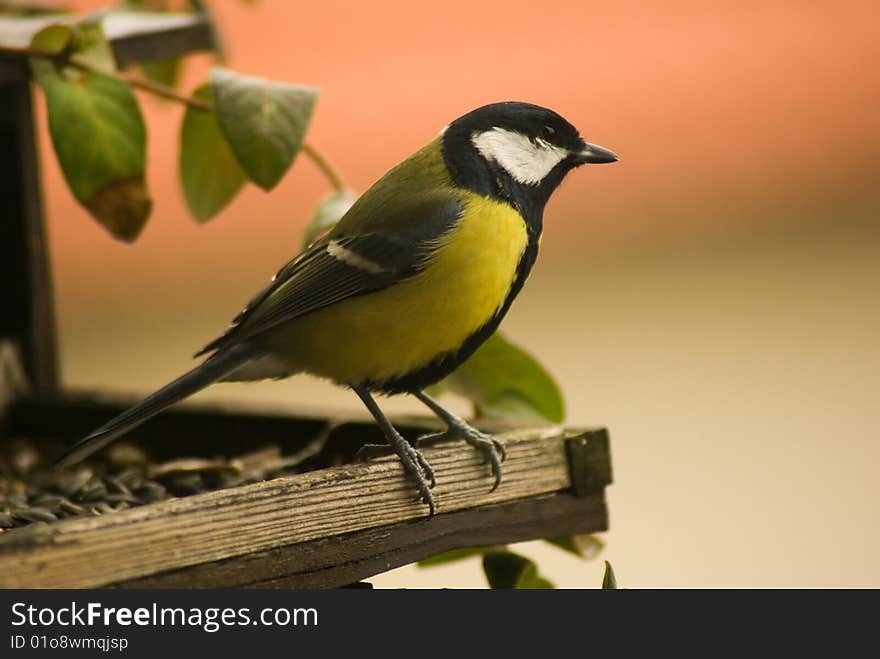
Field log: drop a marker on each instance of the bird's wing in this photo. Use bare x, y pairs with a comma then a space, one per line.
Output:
342, 266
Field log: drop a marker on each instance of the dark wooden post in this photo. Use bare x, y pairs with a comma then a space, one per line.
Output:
27, 317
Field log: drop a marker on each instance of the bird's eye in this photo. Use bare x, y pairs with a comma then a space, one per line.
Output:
547, 133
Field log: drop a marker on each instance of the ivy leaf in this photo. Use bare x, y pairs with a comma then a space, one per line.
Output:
90, 46
504, 569
54, 39
264, 122
99, 136
209, 172
609, 581
587, 547
531, 580
328, 213
505, 382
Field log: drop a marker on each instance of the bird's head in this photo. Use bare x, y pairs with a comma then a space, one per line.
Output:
515, 150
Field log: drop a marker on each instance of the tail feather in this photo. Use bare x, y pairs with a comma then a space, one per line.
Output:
212, 369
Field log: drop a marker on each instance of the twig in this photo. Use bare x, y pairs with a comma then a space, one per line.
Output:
326, 168
163, 91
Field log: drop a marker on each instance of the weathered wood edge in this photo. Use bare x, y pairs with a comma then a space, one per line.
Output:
341, 560
286, 511
135, 40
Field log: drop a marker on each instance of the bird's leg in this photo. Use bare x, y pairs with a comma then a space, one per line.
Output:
413, 463
458, 428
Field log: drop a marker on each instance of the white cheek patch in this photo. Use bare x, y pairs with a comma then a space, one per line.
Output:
527, 162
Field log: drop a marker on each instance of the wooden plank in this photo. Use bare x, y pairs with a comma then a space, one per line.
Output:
139, 37
285, 511
341, 560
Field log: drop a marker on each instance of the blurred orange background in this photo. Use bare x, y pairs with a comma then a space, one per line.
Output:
712, 298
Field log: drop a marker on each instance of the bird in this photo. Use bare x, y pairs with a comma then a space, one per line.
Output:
406, 286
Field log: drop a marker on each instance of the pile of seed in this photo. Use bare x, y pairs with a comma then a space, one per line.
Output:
30, 493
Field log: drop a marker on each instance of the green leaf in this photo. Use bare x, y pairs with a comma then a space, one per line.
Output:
99, 136
82, 42
265, 122
328, 213
90, 46
504, 569
163, 71
505, 382
587, 547
209, 172
451, 556
53, 39
531, 580
609, 581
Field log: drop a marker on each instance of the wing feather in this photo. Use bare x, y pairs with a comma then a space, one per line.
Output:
339, 267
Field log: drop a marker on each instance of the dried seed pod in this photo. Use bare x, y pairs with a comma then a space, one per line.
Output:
117, 497
17, 499
150, 491
35, 514
189, 465
186, 483
115, 485
24, 458
131, 477
127, 454
71, 508
70, 483
93, 492
50, 501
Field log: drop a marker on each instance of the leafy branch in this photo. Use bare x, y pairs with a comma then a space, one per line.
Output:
164, 91
99, 134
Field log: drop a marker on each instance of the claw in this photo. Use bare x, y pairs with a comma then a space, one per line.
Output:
427, 470
499, 447
492, 449
414, 464
417, 468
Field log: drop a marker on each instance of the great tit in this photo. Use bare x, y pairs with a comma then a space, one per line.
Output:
415, 276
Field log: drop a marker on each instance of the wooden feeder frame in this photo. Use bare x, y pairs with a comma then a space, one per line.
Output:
325, 528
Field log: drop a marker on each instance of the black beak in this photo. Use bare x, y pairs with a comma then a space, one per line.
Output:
594, 155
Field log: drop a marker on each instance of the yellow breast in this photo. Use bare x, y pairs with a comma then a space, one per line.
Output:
402, 328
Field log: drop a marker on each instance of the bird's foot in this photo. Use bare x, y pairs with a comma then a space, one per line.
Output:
414, 464
491, 448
